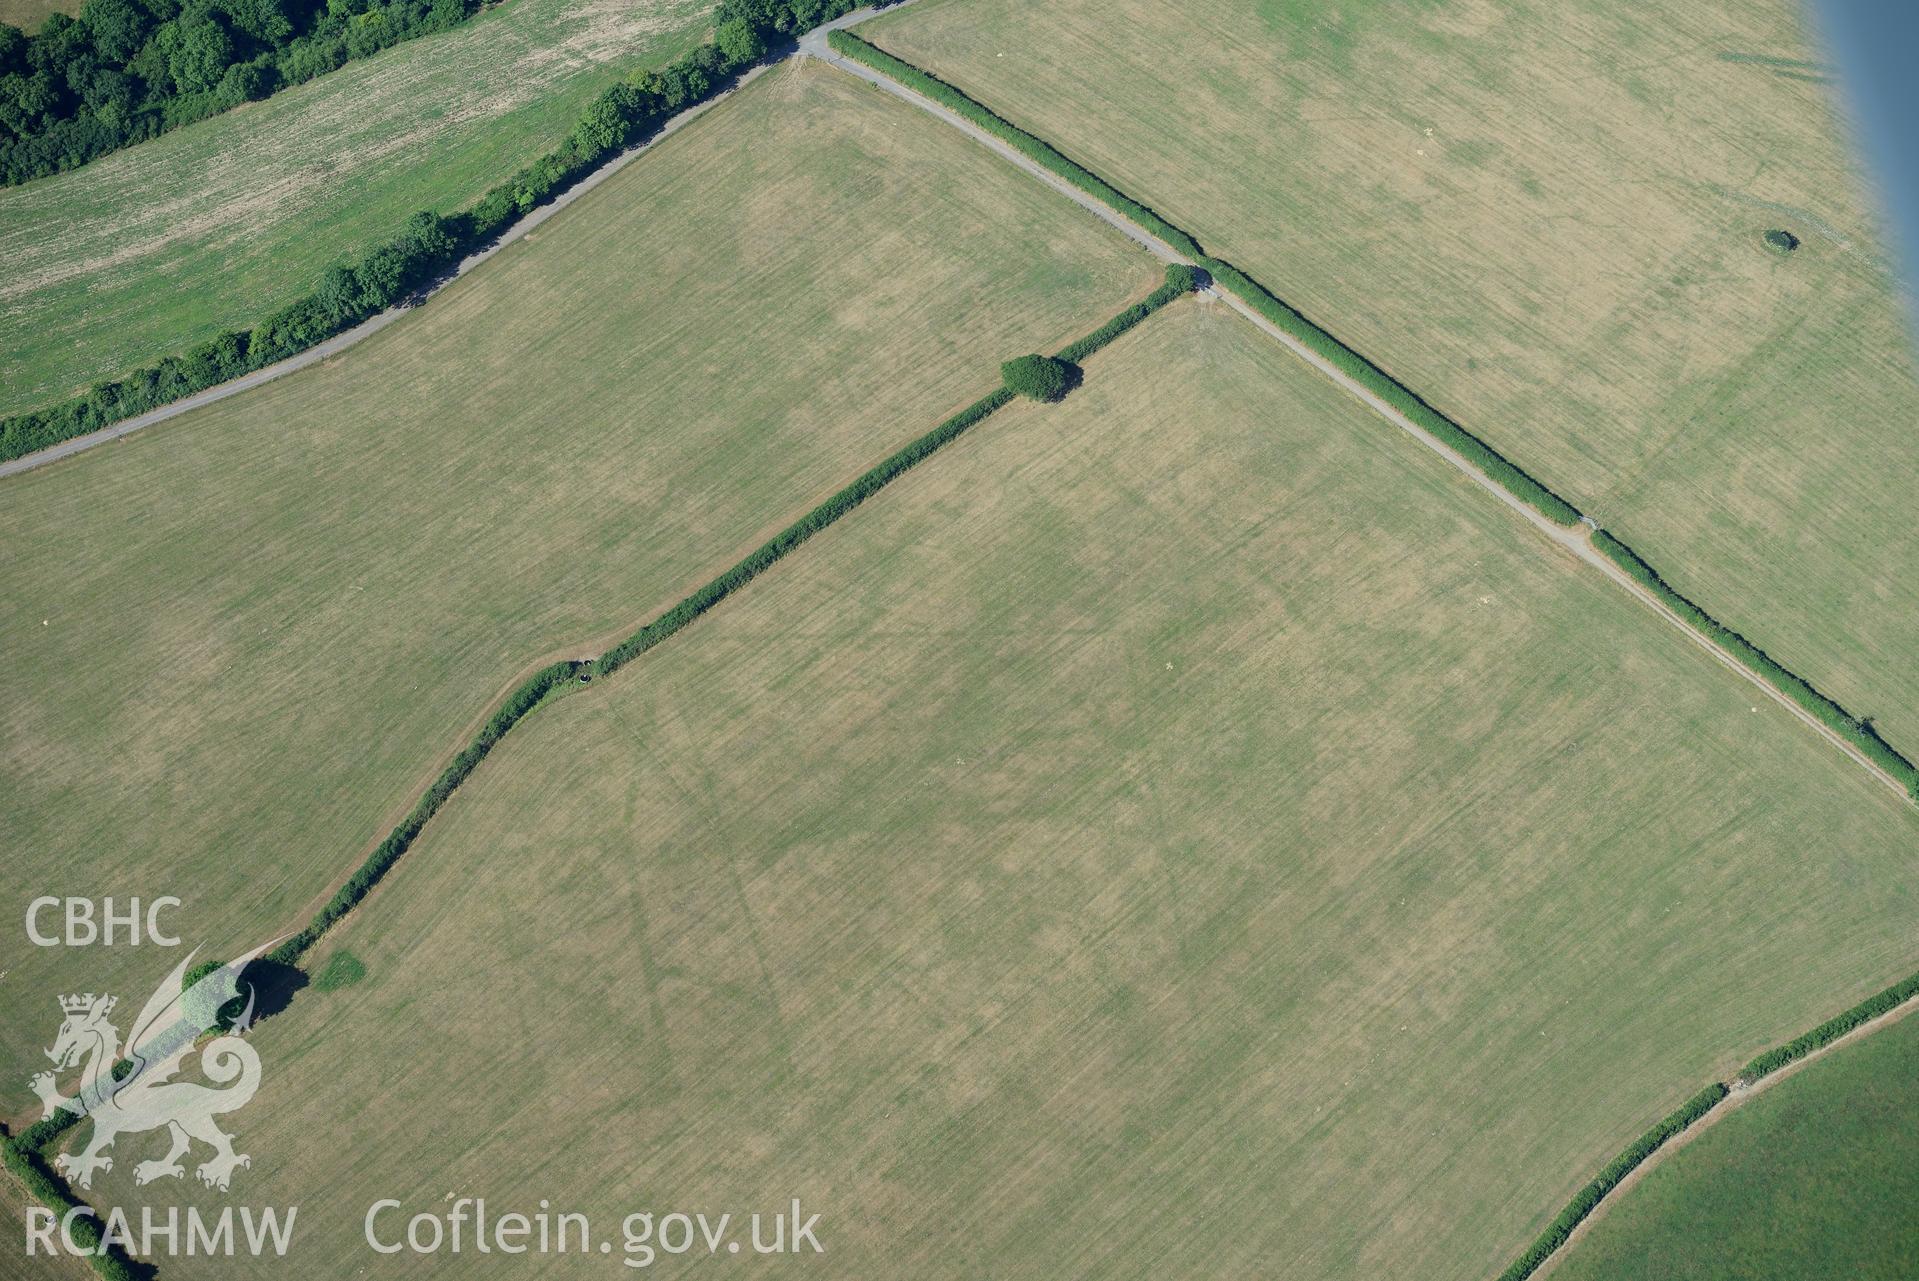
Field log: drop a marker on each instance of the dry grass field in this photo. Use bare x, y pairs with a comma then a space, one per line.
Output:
147, 251
1186, 831
238, 643
1546, 219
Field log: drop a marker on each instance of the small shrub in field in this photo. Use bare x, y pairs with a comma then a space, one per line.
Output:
1037, 377
343, 969
1781, 242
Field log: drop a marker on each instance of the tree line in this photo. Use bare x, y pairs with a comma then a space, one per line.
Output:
127, 70
430, 244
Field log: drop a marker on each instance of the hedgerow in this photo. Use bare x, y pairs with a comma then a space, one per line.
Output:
1701, 1103
524, 698
1831, 1030
784, 542
1037, 377
1356, 366
1036, 149
1510, 477
531, 692
1855, 730
1607, 1179
1181, 279
23, 1159
1496, 466
535, 688
430, 244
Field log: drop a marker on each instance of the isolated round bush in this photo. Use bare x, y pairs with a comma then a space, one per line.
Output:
1779, 241
1037, 377
1186, 278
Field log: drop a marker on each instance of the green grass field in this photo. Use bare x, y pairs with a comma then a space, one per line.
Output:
29, 14
1185, 831
1816, 1177
1546, 220
150, 250
238, 644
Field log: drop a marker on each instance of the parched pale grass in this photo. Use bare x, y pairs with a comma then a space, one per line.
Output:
1546, 219
1183, 831
148, 251
238, 644
1816, 1177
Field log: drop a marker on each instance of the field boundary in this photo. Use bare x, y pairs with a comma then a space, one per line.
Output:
1869, 1015
326, 349
1738, 1094
21, 1153
535, 689
1559, 519
1545, 509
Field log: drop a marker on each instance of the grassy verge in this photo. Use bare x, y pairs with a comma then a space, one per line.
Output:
1484, 456
1607, 1179
22, 1153
1694, 1108
1817, 1177
107, 264
429, 245
1831, 1030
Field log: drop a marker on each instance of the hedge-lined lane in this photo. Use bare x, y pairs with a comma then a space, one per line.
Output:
431, 245
1524, 487
1495, 466
1313, 336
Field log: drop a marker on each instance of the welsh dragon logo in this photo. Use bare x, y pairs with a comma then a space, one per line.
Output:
141, 1095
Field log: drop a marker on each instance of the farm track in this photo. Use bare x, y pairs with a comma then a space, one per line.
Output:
1578, 541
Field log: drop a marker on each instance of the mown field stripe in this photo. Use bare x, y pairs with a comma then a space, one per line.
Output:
1873, 751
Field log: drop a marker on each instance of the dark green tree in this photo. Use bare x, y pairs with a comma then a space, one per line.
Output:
1037, 377
117, 27
198, 54
740, 44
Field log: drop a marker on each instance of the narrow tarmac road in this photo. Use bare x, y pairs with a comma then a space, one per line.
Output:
373, 325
